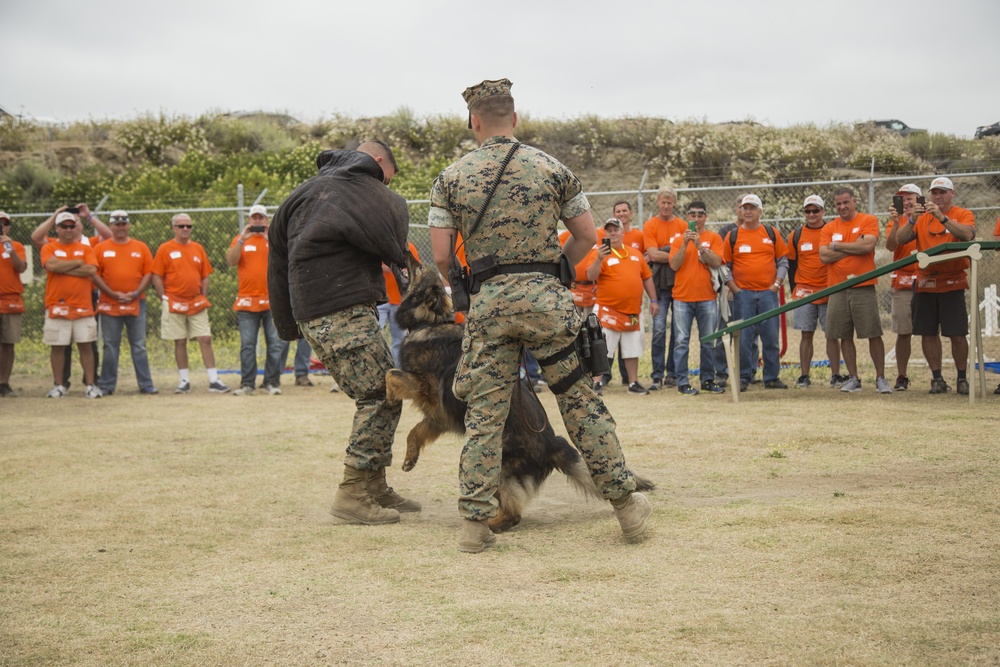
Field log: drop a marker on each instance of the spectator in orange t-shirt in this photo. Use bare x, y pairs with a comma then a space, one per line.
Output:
69, 311
810, 276
248, 253
13, 262
847, 247
387, 311
659, 232
621, 274
693, 255
902, 283
124, 270
939, 303
180, 276
758, 260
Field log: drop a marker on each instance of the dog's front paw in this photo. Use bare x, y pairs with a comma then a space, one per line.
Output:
409, 464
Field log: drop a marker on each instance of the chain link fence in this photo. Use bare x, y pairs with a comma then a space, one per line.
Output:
215, 228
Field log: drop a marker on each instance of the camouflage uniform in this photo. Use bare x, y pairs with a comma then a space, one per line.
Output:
532, 309
352, 347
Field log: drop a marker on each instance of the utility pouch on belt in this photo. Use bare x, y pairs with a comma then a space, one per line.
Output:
481, 270
567, 274
591, 347
460, 280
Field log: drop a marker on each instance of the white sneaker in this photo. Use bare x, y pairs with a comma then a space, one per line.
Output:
243, 391
57, 391
335, 388
93, 392
852, 385
272, 390
882, 386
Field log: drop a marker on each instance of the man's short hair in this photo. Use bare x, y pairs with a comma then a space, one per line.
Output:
494, 109
844, 190
697, 204
180, 216
383, 150
665, 190
619, 203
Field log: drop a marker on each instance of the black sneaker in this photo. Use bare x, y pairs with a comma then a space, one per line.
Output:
5, 390
656, 384
775, 384
744, 384
837, 381
183, 388
710, 387
939, 386
721, 381
599, 388
606, 379
997, 390
636, 388
902, 383
687, 390
803, 382
669, 382
962, 386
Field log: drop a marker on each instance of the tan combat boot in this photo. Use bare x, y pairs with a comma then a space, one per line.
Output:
353, 503
475, 536
632, 511
383, 494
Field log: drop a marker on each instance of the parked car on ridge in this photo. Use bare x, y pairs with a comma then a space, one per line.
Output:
988, 130
897, 126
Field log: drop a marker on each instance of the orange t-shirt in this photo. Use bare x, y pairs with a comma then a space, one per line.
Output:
862, 224
693, 281
753, 257
583, 285
251, 274
619, 285
996, 230
902, 279
68, 297
11, 287
182, 268
391, 287
122, 266
944, 276
633, 238
810, 273
658, 233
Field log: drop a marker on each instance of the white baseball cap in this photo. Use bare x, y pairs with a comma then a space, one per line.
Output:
912, 189
3, 214
64, 216
258, 208
752, 199
613, 221
815, 200
118, 216
942, 183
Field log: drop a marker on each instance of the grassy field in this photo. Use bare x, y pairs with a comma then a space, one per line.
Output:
799, 527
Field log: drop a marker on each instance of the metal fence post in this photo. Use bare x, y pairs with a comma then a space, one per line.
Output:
239, 205
871, 189
642, 184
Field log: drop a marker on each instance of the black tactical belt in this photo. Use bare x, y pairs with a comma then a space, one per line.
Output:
533, 267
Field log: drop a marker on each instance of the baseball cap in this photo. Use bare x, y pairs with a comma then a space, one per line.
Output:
118, 216
258, 208
3, 214
752, 199
64, 216
912, 189
942, 183
815, 200
473, 95
613, 221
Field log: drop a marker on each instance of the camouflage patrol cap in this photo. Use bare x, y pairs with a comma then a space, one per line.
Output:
489, 88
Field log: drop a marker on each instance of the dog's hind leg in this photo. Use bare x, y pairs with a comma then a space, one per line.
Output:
400, 385
419, 437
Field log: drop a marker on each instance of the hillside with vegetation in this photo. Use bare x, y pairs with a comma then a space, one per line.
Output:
158, 161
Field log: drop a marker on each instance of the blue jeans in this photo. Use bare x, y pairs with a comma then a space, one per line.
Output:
658, 344
685, 313
747, 304
387, 312
249, 324
135, 329
303, 356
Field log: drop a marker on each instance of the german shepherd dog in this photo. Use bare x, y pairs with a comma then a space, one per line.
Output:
428, 359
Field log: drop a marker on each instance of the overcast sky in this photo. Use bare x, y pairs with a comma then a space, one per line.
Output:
933, 66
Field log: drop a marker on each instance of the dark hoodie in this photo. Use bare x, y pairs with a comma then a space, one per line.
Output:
328, 241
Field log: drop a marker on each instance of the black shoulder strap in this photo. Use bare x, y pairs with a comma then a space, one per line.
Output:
732, 238
796, 237
771, 234
491, 191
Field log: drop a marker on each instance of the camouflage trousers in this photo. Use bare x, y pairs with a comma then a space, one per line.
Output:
352, 347
485, 379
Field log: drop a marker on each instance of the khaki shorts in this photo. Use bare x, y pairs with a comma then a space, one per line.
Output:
177, 326
902, 322
59, 332
853, 313
10, 328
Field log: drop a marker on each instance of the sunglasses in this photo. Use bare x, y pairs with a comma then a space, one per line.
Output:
66, 226
183, 226
5, 223
119, 223
698, 213
813, 211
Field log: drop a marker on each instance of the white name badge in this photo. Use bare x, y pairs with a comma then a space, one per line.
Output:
59, 253
745, 249
855, 230
109, 253
249, 248
837, 237
176, 254
612, 261
806, 246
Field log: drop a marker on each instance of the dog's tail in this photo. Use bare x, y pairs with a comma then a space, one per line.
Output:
570, 463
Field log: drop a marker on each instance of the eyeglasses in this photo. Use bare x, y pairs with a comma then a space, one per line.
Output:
183, 226
66, 226
5, 223
696, 213
119, 223
813, 211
